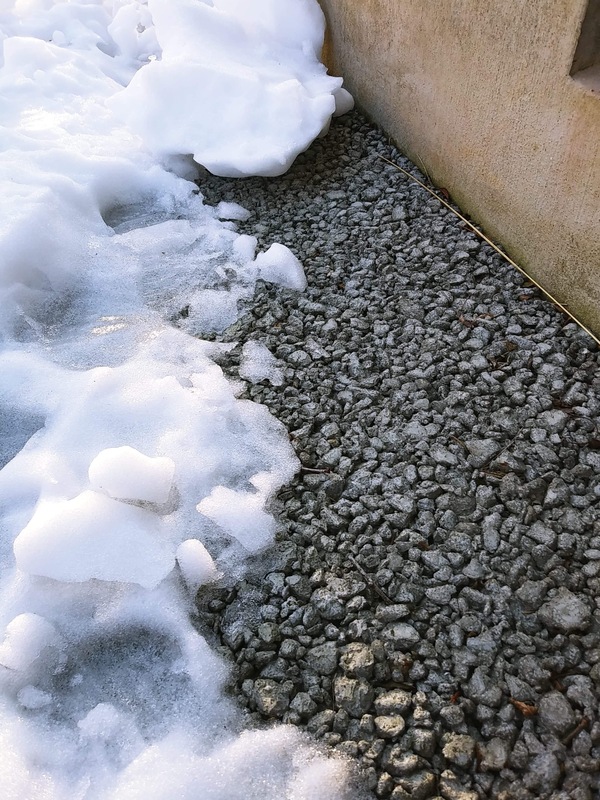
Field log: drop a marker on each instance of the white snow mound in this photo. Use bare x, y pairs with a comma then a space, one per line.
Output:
279, 265
126, 474
196, 564
25, 639
93, 536
238, 85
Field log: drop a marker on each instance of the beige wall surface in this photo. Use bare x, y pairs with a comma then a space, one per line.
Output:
480, 93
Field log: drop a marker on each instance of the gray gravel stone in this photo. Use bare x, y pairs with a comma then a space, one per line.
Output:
321, 720
328, 605
494, 754
443, 537
542, 534
353, 695
566, 612
440, 594
458, 749
423, 742
395, 701
481, 451
556, 714
441, 455
390, 727
553, 421
543, 774
270, 697
531, 594
323, 658
269, 634
303, 705
299, 586
401, 635
358, 660
451, 787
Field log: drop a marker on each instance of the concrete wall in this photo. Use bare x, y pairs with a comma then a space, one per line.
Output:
481, 94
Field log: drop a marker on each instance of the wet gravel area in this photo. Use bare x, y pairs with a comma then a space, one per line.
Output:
431, 608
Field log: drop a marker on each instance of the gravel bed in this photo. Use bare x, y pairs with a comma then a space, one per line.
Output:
431, 608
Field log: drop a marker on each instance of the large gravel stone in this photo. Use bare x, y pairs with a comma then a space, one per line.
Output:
565, 612
328, 605
269, 634
420, 786
390, 727
270, 697
299, 586
401, 635
555, 713
441, 455
459, 749
531, 594
395, 701
481, 450
323, 658
543, 774
303, 705
354, 695
494, 754
423, 742
358, 660
451, 787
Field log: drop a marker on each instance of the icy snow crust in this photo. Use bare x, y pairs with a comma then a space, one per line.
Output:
131, 474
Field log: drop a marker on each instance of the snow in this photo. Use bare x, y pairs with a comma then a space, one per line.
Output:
241, 515
125, 473
27, 636
94, 537
259, 364
196, 564
256, 62
276, 756
279, 265
227, 210
131, 474
32, 698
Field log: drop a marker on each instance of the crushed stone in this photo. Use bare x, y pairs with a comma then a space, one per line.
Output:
431, 608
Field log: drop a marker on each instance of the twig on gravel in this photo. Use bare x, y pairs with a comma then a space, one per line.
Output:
371, 582
491, 244
582, 725
527, 709
504, 449
315, 471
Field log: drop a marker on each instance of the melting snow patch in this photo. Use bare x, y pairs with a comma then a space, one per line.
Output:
94, 537
259, 364
241, 515
133, 475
